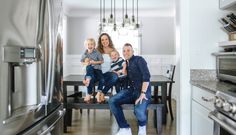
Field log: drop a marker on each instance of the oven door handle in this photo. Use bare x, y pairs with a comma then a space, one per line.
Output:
223, 124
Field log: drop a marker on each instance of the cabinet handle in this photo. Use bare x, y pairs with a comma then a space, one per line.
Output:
208, 99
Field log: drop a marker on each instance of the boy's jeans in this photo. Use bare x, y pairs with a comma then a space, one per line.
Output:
94, 74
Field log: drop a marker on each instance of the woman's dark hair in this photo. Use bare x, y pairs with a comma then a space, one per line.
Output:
100, 47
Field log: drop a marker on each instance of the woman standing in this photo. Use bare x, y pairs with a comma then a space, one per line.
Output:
105, 47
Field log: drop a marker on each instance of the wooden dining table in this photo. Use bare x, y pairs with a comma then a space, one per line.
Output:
77, 80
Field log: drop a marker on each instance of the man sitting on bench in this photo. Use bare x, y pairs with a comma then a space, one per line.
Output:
137, 93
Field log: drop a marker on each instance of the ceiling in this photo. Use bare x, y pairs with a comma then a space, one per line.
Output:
72, 6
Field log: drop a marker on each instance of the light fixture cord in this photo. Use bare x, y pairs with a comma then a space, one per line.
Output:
126, 8
100, 11
123, 12
111, 8
103, 9
137, 11
133, 8
114, 11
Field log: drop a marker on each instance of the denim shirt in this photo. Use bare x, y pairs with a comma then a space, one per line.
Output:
138, 73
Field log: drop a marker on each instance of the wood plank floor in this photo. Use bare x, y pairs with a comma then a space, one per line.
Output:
99, 122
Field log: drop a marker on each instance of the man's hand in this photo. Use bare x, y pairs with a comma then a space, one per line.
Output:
141, 98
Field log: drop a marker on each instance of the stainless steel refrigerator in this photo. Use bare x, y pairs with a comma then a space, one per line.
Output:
31, 67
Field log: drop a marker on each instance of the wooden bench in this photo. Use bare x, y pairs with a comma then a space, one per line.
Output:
79, 104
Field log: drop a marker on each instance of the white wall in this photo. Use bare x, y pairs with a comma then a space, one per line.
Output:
205, 33
80, 29
157, 34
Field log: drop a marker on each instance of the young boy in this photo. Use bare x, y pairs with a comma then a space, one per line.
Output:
118, 66
92, 59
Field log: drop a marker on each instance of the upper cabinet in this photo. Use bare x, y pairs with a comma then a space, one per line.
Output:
227, 4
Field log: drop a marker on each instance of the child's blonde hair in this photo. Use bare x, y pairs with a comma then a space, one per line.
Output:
89, 40
115, 51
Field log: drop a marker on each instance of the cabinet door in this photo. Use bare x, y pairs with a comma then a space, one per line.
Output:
201, 124
227, 4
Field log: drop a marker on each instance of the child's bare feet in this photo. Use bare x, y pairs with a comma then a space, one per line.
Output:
86, 82
87, 98
102, 97
98, 96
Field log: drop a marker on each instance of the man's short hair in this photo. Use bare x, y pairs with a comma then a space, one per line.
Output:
128, 44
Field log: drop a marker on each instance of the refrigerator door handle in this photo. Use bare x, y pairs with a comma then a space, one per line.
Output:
50, 48
51, 127
17, 116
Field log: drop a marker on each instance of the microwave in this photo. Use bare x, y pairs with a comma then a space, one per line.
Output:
226, 66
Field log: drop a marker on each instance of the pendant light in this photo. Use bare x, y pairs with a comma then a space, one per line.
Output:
137, 24
133, 17
100, 23
126, 20
110, 20
134, 23
104, 16
114, 27
122, 30
123, 14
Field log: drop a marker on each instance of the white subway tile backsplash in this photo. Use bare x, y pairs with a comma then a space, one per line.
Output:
157, 64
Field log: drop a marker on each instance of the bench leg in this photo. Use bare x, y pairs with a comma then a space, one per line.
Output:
159, 120
81, 111
65, 122
69, 120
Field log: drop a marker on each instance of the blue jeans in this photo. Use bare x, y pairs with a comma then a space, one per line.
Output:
94, 75
122, 83
110, 80
128, 96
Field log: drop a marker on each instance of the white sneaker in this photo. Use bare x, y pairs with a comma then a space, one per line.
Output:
124, 131
142, 130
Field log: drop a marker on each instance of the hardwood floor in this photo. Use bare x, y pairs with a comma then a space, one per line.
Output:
99, 122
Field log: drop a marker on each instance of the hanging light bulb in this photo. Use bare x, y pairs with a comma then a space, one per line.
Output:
133, 17
104, 16
100, 23
122, 30
134, 24
110, 20
137, 23
126, 19
114, 27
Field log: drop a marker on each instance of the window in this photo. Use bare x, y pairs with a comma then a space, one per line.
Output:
120, 37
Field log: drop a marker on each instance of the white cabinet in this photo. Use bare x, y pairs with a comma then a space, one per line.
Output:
200, 123
227, 4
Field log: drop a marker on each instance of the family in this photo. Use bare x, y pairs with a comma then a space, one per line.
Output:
105, 66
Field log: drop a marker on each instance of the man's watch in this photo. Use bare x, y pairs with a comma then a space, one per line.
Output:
143, 92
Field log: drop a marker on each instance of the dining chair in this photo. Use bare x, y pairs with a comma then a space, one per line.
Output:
170, 74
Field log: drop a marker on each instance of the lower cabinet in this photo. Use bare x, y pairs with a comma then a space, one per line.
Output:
200, 123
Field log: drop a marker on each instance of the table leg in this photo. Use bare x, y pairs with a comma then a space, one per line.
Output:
155, 94
163, 96
159, 119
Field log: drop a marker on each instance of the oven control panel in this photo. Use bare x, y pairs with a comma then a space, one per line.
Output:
225, 103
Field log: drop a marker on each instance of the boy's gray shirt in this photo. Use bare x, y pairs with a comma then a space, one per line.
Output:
95, 55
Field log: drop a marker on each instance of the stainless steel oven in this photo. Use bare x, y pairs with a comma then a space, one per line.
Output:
226, 66
224, 115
